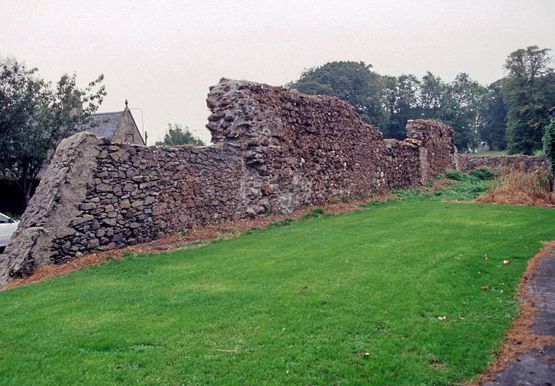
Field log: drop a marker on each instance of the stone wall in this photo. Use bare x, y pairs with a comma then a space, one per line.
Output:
437, 149
525, 163
274, 151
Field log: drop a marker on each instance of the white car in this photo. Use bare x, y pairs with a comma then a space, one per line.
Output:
7, 227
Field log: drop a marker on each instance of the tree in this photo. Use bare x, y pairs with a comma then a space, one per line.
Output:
549, 148
528, 92
35, 116
431, 95
492, 126
400, 103
176, 135
455, 104
354, 82
460, 109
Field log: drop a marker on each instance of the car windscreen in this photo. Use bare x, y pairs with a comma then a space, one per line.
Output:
4, 219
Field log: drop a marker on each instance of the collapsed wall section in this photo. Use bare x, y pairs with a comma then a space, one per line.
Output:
274, 151
302, 149
298, 149
437, 148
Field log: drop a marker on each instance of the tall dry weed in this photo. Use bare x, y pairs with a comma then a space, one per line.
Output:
514, 186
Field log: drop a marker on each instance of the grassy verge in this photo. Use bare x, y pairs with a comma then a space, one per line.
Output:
388, 295
453, 186
490, 153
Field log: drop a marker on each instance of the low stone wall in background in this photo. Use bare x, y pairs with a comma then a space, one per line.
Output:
467, 162
273, 151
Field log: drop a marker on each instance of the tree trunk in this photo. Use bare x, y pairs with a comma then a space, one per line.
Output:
25, 183
27, 193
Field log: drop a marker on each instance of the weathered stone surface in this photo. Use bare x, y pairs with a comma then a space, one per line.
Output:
467, 162
274, 151
47, 224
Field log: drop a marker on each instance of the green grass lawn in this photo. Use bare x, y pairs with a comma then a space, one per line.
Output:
387, 295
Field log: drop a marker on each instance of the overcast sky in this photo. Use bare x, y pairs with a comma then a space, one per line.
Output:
163, 55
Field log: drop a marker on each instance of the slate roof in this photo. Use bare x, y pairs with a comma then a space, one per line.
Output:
103, 124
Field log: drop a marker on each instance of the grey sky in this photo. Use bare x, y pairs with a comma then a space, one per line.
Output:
163, 55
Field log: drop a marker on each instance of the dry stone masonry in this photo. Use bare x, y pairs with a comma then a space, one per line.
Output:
274, 151
525, 163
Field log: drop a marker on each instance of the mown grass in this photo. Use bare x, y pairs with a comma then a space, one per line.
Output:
387, 295
453, 186
490, 153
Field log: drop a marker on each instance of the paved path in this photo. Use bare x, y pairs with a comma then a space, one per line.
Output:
536, 367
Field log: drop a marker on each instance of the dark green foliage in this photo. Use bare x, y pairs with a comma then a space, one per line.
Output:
455, 104
510, 112
316, 213
455, 175
35, 115
549, 150
176, 136
432, 95
353, 82
282, 223
529, 92
483, 173
400, 103
389, 101
458, 187
492, 126
460, 110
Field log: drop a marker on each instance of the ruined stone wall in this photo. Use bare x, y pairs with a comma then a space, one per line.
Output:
437, 149
522, 162
402, 164
274, 151
140, 194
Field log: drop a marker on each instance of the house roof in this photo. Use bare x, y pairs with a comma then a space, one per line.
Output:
104, 124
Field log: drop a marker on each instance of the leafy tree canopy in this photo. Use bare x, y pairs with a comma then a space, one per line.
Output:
460, 109
492, 125
528, 92
353, 82
511, 112
389, 101
400, 102
549, 148
176, 135
35, 115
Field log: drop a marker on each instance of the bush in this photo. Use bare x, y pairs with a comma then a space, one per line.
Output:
483, 174
549, 151
282, 223
455, 175
316, 213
